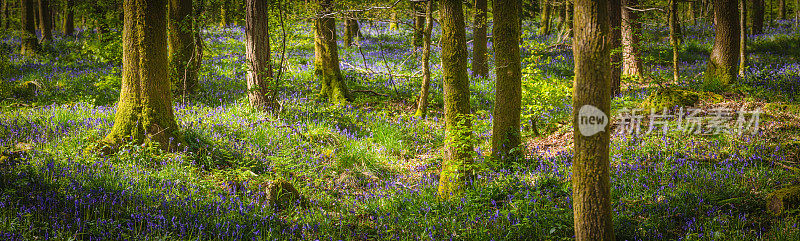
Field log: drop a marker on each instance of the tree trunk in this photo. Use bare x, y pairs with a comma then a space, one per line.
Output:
224, 19
422, 102
199, 10
45, 21
742, 37
417, 10
3, 14
615, 33
326, 58
508, 86
631, 61
544, 28
781, 9
756, 16
480, 67
259, 71
351, 30
673, 38
144, 112
723, 63
29, 44
692, 16
393, 23
183, 74
590, 177
458, 127
69, 18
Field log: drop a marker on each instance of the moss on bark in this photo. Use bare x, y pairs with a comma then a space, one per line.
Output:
144, 112
29, 45
590, 177
508, 94
723, 65
480, 66
183, 73
326, 58
458, 133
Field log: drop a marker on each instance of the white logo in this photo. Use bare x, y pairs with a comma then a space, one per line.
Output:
591, 120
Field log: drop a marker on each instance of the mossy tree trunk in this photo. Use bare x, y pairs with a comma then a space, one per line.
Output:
723, 63
544, 28
183, 73
45, 21
691, 13
480, 67
631, 59
418, 13
224, 18
351, 30
781, 9
742, 37
422, 102
615, 31
756, 16
4, 14
68, 27
673, 38
458, 128
326, 57
590, 177
144, 112
508, 86
259, 62
29, 44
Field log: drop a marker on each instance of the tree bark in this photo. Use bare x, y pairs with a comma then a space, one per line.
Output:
259, 63
756, 16
45, 21
508, 86
351, 30
422, 102
458, 127
673, 38
417, 10
144, 112
183, 74
29, 44
224, 18
590, 177
781, 9
723, 63
690, 11
615, 33
544, 28
742, 37
68, 27
480, 67
4, 14
326, 58
632, 62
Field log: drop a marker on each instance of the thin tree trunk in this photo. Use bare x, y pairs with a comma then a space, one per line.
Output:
691, 13
723, 64
631, 61
458, 128
508, 95
781, 9
480, 67
259, 64
326, 58
393, 23
144, 112
417, 10
422, 102
756, 16
69, 18
615, 31
592, 96
29, 44
183, 75
742, 37
45, 21
673, 38
224, 19
544, 28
